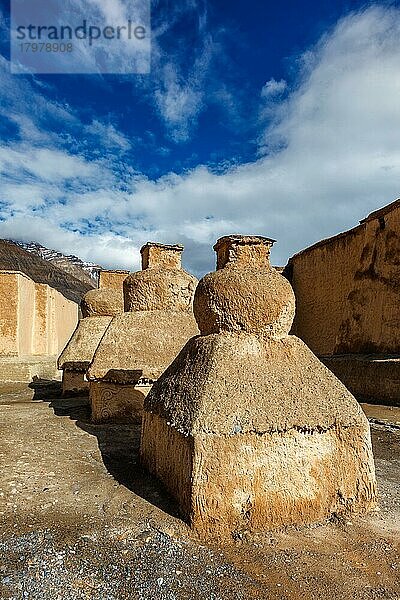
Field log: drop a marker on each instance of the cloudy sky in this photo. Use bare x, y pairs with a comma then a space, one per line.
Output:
281, 119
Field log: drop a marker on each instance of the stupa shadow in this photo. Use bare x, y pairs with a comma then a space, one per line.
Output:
119, 446
45, 388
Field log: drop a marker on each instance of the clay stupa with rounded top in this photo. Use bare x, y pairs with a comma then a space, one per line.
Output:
98, 307
247, 429
142, 342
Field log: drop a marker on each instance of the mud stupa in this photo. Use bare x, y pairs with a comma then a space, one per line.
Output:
246, 428
142, 342
98, 308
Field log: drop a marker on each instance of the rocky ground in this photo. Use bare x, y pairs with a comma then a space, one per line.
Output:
79, 519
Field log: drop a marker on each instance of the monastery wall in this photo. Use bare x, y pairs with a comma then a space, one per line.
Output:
35, 319
347, 288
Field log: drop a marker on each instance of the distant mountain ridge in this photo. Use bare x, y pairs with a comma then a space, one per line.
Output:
14, 257
87, 272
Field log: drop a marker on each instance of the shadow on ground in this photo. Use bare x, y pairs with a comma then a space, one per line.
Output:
119, 446
45, 389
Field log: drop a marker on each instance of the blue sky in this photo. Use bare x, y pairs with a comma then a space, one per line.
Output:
274, 118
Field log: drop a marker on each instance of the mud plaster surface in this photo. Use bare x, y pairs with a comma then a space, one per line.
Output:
258, 483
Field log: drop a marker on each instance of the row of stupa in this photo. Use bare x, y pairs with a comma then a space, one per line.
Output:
126, 340
244, 426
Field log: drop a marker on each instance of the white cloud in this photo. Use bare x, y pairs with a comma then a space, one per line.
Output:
331, 156
178, 102
180, 98
45, 164
108, 135
22, 102
273, 88
104, 249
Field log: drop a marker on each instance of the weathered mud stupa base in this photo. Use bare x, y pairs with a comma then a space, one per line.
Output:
247, 429
98, 308
116, 402
140, 343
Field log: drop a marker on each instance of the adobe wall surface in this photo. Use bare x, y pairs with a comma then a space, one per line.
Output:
112, 280
8, 314
66, 319
371, 378
26, 318
14, 369
347, 288
35, 319
42, 317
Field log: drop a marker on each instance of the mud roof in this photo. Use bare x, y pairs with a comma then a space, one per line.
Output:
177, 247
243, 239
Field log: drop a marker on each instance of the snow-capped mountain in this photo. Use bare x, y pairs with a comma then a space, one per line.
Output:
87, 272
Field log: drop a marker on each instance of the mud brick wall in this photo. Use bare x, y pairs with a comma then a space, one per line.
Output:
35, 319
347, 288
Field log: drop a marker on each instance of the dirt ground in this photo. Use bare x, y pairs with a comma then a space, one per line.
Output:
79, 519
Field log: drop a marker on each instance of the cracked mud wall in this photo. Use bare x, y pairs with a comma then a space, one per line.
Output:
347, 288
